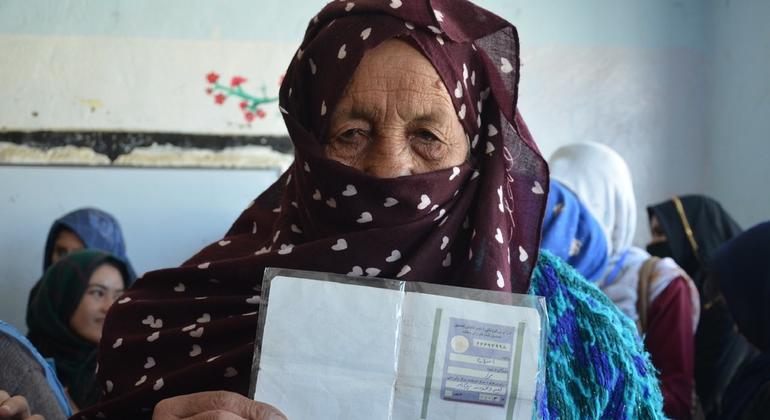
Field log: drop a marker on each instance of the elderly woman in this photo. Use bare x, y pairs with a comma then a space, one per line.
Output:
410, 163
654, 292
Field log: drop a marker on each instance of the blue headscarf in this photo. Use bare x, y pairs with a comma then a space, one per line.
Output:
743, 269
97, 229
573, 234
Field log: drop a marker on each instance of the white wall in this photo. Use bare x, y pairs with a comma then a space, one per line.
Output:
630, 74
738, 134
166, 215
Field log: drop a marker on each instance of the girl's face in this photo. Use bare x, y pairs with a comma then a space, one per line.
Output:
66, 243
104, 288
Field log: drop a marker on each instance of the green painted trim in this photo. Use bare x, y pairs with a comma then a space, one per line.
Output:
431, 363
512, 395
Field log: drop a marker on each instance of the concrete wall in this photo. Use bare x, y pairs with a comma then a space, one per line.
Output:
737, 162
166, 214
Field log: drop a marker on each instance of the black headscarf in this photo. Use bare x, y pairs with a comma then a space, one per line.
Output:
742, 267
711, 227
48, 317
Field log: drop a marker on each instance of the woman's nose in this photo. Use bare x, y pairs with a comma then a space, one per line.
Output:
107, 302
388, 157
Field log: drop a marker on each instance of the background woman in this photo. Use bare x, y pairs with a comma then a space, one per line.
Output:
655, 293
67, 313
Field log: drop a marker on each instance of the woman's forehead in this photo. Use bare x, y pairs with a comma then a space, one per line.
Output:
393, 74
396, 61
107, 276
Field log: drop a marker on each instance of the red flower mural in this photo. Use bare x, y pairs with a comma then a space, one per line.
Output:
249, 104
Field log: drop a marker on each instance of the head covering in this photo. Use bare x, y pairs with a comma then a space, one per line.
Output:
475, 225
602, 181
97, 229
743, 269
48, 318
571, 233
711, 226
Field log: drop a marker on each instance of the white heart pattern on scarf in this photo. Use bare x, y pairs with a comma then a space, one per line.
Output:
395, 255
538, 189
341, 245
455, 172
506, 67
424, 202
523, 256
197, 333
350, 190
150, 363
195, 351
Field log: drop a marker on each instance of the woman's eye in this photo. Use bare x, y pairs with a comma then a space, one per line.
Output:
352, 135
426, 135
97, 293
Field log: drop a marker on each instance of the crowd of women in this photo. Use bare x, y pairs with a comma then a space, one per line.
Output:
408, 142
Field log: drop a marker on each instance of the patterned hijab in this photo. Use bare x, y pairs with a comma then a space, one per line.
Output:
476, 225
571, 233
57, 297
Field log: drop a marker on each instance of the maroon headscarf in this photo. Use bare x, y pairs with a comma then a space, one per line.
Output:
477, 225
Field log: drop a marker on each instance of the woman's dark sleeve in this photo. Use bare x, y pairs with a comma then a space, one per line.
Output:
22, 375
671, 343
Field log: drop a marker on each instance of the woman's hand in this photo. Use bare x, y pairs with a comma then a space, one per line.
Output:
214, 405
15, 408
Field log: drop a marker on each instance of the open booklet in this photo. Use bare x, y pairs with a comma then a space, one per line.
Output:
339, 347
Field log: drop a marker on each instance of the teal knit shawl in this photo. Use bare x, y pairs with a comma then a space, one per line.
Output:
596, 366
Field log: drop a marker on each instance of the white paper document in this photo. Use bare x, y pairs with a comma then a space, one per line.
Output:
344, 351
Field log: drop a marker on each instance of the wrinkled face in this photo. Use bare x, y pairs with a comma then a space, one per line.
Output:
396, 117
104, 287
658, 234
66, 243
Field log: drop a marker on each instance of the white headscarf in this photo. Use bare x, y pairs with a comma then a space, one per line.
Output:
602, 181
